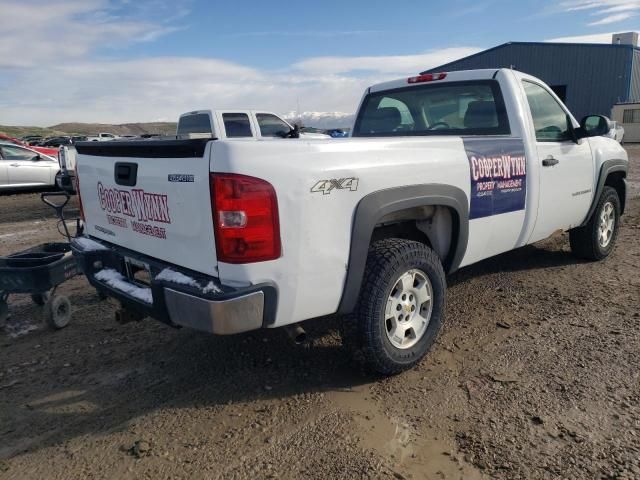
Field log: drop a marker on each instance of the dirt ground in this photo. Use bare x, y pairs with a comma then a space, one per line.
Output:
536, 375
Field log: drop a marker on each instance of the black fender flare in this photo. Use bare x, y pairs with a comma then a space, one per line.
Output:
608, 167
376, 205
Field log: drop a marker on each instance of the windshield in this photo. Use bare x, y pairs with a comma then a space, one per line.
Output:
455, 108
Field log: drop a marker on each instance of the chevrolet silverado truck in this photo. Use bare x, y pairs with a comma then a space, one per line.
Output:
441, 171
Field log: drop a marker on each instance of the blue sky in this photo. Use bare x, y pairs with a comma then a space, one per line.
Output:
139, 60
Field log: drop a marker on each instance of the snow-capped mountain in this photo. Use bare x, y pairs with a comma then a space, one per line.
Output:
320, 119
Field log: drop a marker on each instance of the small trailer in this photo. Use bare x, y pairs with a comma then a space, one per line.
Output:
39, 271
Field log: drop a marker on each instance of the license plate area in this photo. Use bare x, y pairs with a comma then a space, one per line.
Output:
138, 272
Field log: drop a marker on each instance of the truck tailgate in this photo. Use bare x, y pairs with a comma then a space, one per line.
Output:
150, 197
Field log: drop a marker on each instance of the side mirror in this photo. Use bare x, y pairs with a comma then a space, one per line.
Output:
36, 158
595, 126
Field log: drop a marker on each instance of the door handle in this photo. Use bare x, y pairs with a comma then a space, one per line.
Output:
549, 162
14, 164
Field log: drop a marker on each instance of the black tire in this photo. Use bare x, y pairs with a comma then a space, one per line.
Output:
57, 312
365, 330
585, 240
40, 298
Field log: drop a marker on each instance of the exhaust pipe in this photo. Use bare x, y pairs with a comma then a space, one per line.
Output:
124, 315
296, 333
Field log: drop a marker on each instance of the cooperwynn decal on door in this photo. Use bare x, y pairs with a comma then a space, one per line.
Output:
498, 171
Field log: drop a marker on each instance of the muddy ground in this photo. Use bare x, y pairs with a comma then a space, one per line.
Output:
535, 375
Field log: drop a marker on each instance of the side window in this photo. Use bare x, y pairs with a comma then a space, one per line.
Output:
236, 125
272, 126
549, 118
16, 153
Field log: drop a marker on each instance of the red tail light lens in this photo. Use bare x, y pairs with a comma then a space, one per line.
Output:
245, 218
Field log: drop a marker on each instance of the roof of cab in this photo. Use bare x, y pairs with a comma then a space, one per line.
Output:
481, 74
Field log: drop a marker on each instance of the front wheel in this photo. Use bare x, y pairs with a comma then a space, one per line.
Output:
401, 306
596, 239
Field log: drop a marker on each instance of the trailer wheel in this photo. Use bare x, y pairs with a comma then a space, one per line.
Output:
4, 312
40, 298
57, 312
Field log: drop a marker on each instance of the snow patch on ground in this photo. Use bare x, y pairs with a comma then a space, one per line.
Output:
89, 245
176, 277
117, 281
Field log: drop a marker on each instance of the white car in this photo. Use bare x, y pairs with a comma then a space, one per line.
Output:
102, 137
22, 167
441, 171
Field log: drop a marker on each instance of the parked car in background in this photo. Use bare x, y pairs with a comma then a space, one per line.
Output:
338, 132
50, 151
24, 167
102, 137
57, 141
27, 139
616, 132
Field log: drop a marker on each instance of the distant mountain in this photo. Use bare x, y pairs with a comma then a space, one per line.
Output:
321, 119
163, 128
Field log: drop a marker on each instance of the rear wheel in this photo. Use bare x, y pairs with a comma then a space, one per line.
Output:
401, 306
596, 240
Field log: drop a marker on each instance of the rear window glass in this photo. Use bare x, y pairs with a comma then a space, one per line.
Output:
196, 123
455, 108
236, 125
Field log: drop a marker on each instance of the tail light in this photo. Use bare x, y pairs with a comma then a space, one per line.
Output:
427, 77
245, 218
76, 185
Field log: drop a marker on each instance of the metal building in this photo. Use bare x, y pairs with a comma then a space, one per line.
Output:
590, 78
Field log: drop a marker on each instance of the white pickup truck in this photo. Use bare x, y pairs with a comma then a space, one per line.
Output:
442, 170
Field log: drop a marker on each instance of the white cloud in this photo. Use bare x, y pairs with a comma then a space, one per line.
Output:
164, 87
611, 11
34, 32
57, 76
618, 17
383, 64
590, 38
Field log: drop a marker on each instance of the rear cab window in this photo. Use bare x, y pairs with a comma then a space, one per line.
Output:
237, 125
196, 123
453, 108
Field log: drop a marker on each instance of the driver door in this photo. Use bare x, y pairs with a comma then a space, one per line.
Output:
565, 167
25, 168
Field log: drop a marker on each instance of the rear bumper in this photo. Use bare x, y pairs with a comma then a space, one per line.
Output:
183, 298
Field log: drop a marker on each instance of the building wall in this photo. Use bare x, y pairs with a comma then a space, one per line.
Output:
596, 76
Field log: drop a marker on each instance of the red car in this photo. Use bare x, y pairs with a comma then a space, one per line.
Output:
52, 152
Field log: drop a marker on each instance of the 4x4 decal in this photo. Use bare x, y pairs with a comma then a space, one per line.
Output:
326, 186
